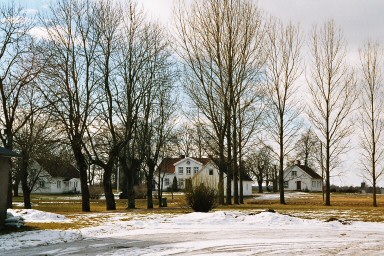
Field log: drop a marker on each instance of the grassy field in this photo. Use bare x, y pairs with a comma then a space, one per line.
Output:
345, 207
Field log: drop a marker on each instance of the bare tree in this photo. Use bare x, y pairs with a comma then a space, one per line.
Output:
260, 165
372, 110
307, 148
332, 87
136, 61
104, 140
220, 44
19, 66
283, 70
157, 121
69, 76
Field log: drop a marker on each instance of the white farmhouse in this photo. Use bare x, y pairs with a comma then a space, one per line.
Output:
54, 177
198, 170
301, 177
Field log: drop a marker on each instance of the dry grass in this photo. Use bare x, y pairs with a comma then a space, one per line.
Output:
349, 207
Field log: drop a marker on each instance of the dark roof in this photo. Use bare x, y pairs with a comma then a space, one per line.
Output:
167, 165
8, 153
309, 171
58, 168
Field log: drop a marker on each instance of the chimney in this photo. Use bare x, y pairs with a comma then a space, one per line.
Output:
182, 156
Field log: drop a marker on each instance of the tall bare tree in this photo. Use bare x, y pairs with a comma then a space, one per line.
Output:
105, 142
19, 66
69, 76
333, 88
220, 44
283, 70
372, 111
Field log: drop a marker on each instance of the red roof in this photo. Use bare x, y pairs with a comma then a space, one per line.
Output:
167, 165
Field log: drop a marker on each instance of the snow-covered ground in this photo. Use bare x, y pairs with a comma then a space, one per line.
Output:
215, 233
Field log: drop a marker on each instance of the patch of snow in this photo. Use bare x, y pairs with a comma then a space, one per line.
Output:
31, 215
276, 196
214, 233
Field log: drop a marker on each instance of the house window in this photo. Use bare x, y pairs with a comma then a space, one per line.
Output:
314, 184
181, 183
75, 184
210, 171
319, 184
58, 184
181, 171
285, 184
41, 184
294, 173
195, 170
188, 170
66, 184
166, 182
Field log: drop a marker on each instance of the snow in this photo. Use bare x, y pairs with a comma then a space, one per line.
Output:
287, 195
214, 233
31, 215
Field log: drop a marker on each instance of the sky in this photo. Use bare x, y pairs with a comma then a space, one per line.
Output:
359, 21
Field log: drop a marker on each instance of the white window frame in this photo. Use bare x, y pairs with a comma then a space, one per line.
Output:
181, 170
42, 184
286, 185
294, 173
166, 181
195, 169
188, 170
58, 184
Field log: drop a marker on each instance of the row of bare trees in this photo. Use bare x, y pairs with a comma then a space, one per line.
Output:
239, 65
100, 80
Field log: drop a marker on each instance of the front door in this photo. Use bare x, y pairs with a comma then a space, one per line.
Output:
298, 185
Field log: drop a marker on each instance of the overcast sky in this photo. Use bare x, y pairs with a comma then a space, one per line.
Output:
358, 19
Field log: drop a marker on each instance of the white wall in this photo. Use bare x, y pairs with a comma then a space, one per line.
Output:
306, 180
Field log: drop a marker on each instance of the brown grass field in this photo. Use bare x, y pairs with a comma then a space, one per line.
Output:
345, 207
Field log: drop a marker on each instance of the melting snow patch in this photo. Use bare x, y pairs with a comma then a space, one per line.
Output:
31, 215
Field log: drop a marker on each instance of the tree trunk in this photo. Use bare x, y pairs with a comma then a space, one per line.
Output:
260, 183
274, 178
24, 182
229, 167
241, 185
83, 167
374, 192
281, 167
108, 192
151, 171
327, 170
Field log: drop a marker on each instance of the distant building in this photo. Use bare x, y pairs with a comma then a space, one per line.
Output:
301, 177
197, 170
54, 177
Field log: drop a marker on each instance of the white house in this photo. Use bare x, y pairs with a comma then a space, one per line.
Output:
54, 177
199, 170
301, 177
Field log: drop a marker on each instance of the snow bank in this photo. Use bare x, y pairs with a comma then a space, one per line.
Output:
31, 215
231, 231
